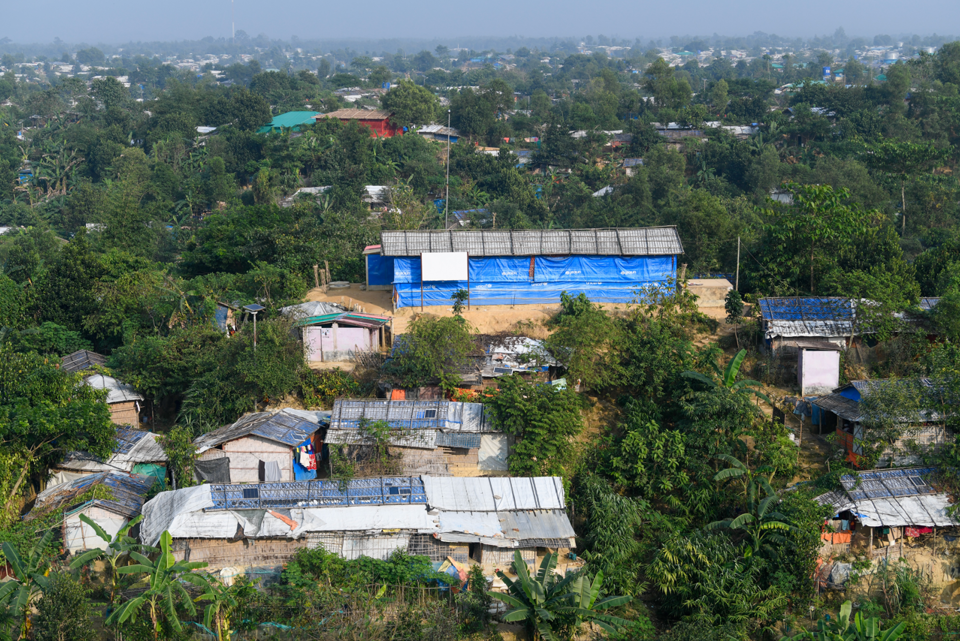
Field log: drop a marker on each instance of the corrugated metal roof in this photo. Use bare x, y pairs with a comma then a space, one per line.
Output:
357, 114
420, 439
352, 319
278, 426
877, 484
494, 494
133, 446
643, 241
842, 406
311, 308
409, 415
536, 524
892, 498
117, 392
128, 491
465, 441
807, 308
377, 491
81, 360
126, 438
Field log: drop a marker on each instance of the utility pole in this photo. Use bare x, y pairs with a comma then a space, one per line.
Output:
736, 284
446, 199
233, 25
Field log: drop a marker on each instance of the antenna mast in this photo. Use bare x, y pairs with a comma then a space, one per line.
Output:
233, 24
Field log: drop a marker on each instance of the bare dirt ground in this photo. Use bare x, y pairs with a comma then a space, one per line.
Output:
490, 319
530, 320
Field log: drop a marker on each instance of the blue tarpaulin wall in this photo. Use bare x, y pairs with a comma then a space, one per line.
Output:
379, 269
300, 473
507, 280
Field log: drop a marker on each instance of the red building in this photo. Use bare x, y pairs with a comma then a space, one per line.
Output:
378, 121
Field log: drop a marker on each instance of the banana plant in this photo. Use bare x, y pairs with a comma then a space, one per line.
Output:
553, 607
845, 629
224, 600
728, 378
118, 549
163, 578
31, 579
585, 605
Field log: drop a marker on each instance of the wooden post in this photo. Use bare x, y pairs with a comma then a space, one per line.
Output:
800, 440
468, 280
421, 281
736, 284
316, 276
871, 543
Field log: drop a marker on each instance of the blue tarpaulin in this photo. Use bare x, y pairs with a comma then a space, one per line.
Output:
300, 473
507, 281
603, 269
379, 270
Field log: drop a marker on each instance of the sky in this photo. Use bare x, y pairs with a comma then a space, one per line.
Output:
119, 21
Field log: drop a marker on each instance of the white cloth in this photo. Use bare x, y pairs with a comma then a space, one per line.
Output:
271, 472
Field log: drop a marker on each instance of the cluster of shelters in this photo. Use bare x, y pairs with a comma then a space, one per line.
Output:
425, 268
483, 519
841, 412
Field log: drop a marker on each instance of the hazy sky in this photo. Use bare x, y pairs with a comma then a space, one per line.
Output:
117, 21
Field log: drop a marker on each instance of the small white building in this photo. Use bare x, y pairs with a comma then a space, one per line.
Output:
262, 446
126, 494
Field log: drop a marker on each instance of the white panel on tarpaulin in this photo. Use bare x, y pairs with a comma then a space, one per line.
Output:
362, 518
79, 536
459, 537
461, 494
494, 453
160, 512
444, 266
63, 476
477, 523
928, 510
375, 547
203, 525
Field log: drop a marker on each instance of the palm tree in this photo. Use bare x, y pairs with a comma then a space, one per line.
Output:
164, 588
761, 521
31, 579
118, 548
728, 378
553, 607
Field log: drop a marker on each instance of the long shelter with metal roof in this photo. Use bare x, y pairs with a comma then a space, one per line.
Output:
528, 266
486, 519
892, 498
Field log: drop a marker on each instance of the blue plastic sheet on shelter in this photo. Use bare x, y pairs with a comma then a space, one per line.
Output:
300, 472
507, 280
379, 270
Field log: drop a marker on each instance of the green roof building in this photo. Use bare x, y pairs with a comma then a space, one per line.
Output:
290, 120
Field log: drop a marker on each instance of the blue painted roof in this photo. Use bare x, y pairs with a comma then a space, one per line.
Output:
127, 437
127, 492
404, 490
279, 426
881, 484
801, 309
